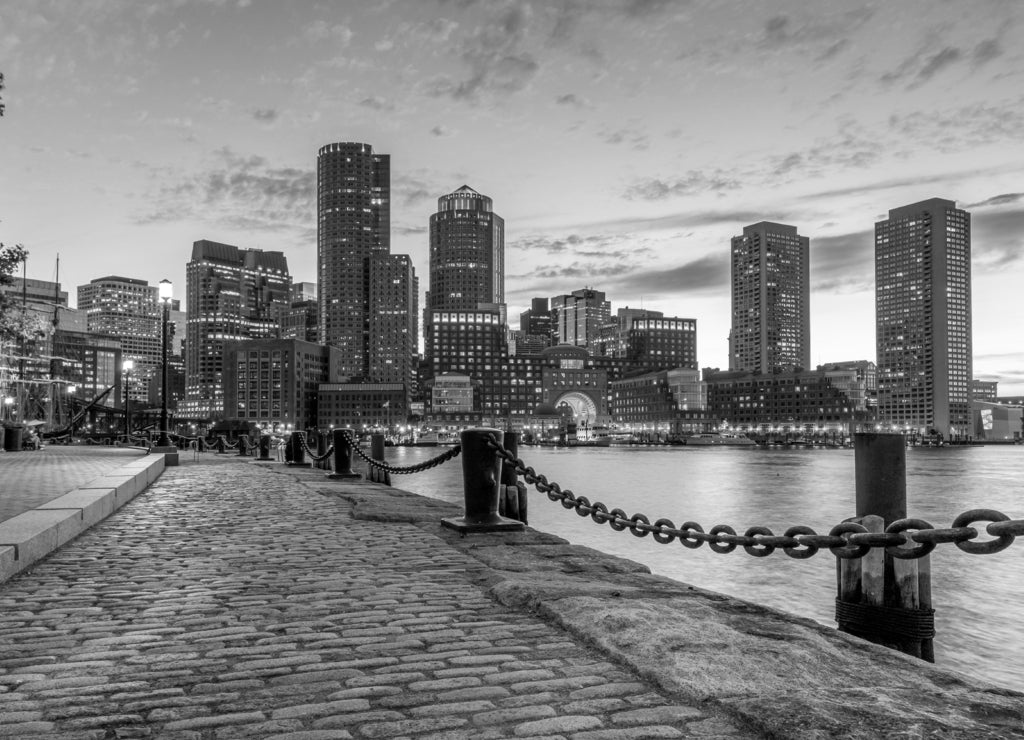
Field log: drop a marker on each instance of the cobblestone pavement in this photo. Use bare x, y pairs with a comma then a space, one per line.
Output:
230, 602
32, 477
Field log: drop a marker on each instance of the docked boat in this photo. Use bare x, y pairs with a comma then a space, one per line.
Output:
719, 439
436, 439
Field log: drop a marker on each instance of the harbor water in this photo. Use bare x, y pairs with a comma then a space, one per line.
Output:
978, 599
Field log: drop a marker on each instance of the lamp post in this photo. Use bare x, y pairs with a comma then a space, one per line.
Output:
166, 290
126, 368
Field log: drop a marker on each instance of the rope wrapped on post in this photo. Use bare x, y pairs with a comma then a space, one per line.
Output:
845, 540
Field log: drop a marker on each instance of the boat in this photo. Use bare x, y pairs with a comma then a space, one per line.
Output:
719, 439
436, 439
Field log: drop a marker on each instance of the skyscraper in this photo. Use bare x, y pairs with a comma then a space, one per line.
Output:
579, 317
231, 294
467, 252
354, 225
771, 315
923, 317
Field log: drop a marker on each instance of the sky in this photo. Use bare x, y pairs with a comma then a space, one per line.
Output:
624, 142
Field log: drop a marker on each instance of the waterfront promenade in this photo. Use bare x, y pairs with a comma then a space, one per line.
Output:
234, 599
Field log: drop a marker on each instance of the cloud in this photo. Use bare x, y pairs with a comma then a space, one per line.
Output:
635, 140
997, 239
843, 263
707, 275
985, 52
322, 31
440, 131
573, 100
409, 188
938, 62
572, 243
238, 191
966, 127
376, 103
997, 200
266, 115
689, 184
497, 62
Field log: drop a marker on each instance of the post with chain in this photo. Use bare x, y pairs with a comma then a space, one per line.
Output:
481, 472
342, 457
221, 444
512, 501
322, 443
243, 445
373, 473
298, 456
885, 597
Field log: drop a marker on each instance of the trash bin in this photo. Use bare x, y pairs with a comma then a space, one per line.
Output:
12, 439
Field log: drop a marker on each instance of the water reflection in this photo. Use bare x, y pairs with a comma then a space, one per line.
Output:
978, 599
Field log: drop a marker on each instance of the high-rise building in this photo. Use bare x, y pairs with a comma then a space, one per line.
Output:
467, 252
232, 294
354, 225
367, 296
771, 314
579, 317
923, 317
128, 310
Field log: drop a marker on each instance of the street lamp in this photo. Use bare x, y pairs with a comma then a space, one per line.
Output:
8, 402
126, 367
166, 290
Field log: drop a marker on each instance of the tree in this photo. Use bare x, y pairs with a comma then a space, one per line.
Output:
14, 325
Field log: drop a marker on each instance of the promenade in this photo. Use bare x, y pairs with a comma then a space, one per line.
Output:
233, 599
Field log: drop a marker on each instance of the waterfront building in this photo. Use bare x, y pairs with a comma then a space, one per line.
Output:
40, 292
578, 317
795, 401
231, 294
666, 402
923, 318
521, 343
274, 383
858, 379
984, 390
362, 407
472, 343
997, 422
771, 315
129, 310
299, 320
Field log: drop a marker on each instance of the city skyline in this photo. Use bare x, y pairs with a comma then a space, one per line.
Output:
626, 142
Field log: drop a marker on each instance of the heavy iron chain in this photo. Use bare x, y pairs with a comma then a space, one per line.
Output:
418, 468
313, 455
845, 540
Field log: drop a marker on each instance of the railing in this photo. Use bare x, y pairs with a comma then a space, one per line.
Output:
882, 556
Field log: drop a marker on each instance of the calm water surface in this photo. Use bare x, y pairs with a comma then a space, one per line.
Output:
979, 599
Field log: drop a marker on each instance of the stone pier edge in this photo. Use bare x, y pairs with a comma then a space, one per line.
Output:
774, 672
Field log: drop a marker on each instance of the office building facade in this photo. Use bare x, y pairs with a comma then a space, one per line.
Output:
923, 318
771, 314
578, 317
231, 294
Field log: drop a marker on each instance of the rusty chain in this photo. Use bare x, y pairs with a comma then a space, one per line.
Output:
845, 540
418, 468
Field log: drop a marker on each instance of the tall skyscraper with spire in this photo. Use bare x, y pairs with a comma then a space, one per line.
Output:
923, 317
771, 313
366, 296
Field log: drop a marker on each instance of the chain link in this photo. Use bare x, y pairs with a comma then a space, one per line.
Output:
418, 468
313, 456
847, 540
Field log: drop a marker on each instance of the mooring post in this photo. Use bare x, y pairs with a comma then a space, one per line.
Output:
265, 448
481, 473
322, 444
243, 445
884, 599
342, 457
298, 456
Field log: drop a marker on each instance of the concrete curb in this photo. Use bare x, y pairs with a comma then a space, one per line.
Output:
29, 537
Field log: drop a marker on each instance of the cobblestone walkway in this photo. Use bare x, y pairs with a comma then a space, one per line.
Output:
30, 478
231, 602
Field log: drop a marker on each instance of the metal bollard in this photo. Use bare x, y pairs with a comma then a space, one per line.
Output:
375, 474
322, 444
342, 457
221, 444
481, 471
298, 456
265, 449
243, 445
884, 599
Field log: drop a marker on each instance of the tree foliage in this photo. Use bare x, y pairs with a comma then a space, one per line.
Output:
10, 258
